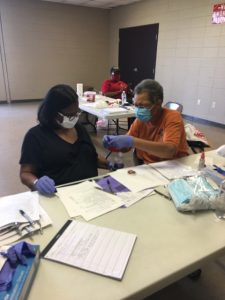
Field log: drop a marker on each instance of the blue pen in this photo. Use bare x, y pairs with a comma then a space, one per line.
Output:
28, 218
219, 170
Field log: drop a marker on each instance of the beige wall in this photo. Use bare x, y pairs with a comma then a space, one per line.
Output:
2, 60
191, 51
2, 86
48, 43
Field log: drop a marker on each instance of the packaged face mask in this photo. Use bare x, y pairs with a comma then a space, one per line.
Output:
194, 193
180, 191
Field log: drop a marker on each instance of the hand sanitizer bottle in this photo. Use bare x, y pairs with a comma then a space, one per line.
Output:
124, 97
201, 163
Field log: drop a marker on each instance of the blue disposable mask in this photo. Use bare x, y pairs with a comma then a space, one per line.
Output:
143, 114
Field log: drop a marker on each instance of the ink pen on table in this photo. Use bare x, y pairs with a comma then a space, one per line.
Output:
28, 218
161, 194
219, 170
109, 186
101, 189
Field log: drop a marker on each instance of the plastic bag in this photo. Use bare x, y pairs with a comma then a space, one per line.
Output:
102, 124
196, 193
194, 134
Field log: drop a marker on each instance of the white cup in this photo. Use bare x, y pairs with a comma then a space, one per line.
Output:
80, 89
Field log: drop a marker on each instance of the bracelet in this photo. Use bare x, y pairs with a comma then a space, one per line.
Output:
35, 181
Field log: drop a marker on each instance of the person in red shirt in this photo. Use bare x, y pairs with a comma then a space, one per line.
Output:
157, 133
114, 87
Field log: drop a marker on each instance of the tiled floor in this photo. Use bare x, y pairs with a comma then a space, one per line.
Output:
16, 119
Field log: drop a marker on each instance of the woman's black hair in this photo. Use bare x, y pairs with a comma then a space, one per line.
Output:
58, 97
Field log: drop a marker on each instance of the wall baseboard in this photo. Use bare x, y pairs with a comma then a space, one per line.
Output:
203, 121
19, 101
186, 117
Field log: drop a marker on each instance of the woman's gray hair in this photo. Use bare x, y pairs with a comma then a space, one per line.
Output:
153, 89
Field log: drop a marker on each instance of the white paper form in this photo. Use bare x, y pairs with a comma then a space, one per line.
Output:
97, 249
130, 198
172, 169
65, 193
85, 200
145, 177
10, 206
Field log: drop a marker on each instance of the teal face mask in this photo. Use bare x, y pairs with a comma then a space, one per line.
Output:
143, 114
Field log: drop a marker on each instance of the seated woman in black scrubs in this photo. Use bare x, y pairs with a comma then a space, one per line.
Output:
58, 150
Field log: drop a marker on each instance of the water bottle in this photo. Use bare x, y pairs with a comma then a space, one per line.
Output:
118, 161
124, 97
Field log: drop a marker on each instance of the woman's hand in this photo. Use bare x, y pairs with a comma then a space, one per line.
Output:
45, 185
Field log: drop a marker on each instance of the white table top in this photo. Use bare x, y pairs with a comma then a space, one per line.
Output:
99, 112
169, 246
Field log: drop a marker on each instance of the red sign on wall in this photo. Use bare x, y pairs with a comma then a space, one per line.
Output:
218, 15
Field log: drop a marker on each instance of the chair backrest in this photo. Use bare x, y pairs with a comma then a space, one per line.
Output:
174, 106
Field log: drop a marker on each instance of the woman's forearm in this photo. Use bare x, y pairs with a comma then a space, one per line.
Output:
102, 162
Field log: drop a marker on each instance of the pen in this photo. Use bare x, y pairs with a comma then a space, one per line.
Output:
22, 212
161, 194
108, 154
110, 187
219, 170
109, 192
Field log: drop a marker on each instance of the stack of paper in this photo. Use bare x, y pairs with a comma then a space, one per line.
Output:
11, 205
113, 110
141, 178
86, 200
13, 225
172, 169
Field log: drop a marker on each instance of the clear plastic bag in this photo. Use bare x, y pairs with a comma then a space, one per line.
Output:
102, 124
196, 193
219, 204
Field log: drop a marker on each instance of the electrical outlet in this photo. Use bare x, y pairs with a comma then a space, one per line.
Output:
198, 101
213, 104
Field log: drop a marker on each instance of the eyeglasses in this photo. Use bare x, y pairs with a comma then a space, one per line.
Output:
71, 117
142, 106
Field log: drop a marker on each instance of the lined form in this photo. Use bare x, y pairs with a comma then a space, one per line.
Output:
96, 249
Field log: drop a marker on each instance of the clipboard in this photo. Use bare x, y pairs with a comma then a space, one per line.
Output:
92, 248
55, 238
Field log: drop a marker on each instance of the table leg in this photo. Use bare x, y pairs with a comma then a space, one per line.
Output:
87, 120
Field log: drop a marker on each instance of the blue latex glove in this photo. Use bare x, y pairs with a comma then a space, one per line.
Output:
112, 142
15, 255
45, 185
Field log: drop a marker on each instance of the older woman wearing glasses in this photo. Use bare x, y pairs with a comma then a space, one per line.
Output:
58, 150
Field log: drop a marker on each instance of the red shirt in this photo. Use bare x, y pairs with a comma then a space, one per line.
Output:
113, 86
